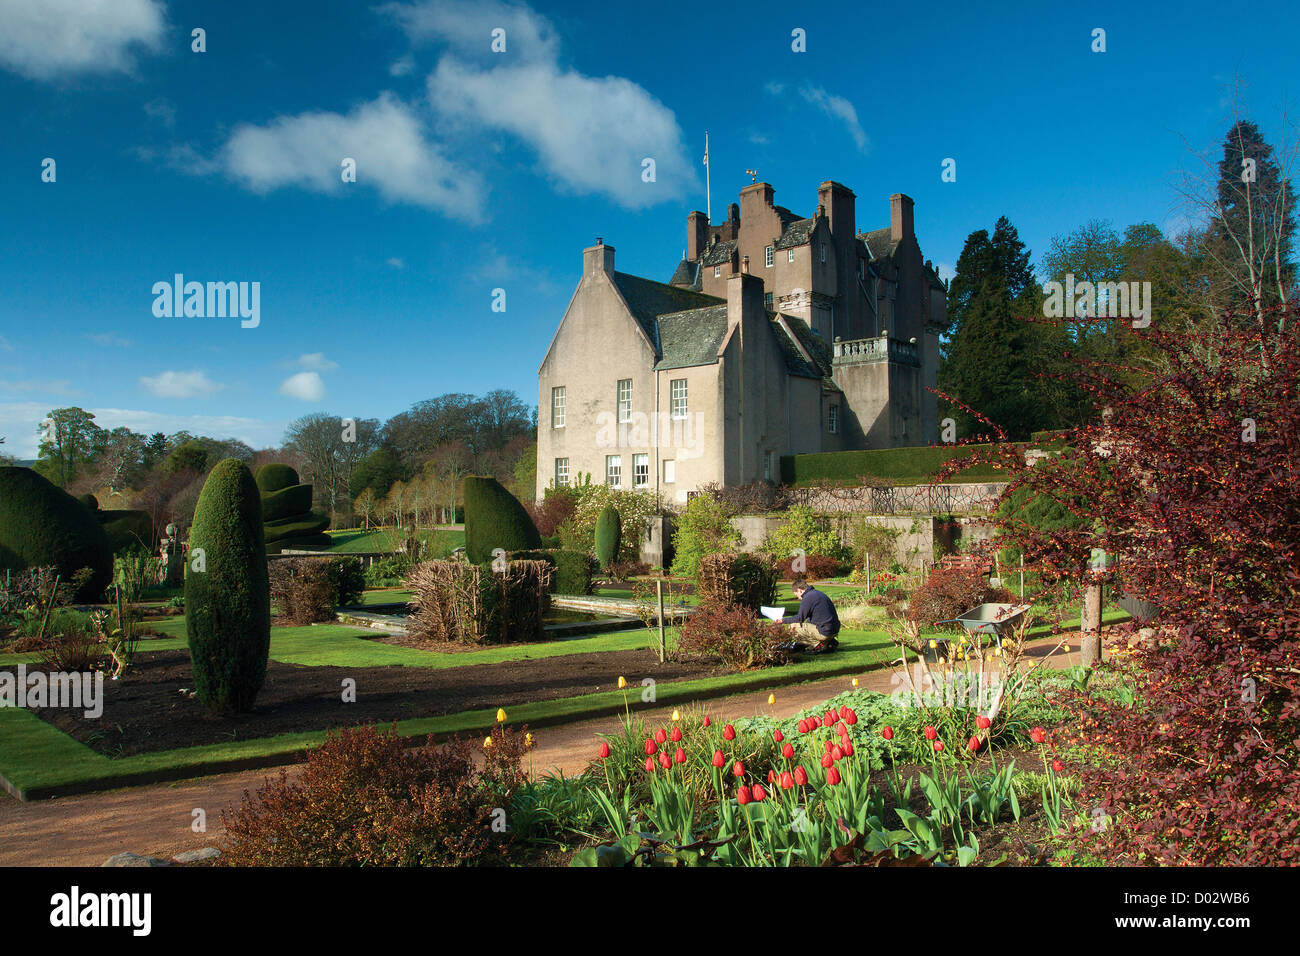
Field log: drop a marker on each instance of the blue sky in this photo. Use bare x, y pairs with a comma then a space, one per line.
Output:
479, 170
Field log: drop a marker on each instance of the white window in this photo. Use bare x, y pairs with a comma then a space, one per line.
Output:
717, 272
670, 471
624, 399
768, 257
789, 256
833, 422
561, 473
614, 470
677, 396
557, 407
640, 471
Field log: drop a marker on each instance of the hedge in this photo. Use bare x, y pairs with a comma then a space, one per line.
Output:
41, 524
571, 571
494, 518
275, 477
294, 500
127, 529
902, 466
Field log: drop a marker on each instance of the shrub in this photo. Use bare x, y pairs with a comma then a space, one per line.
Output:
228, 602
949, 592
274, 477
731, 634
815, 567
71, 644
286, 502
304, 589
626, 570
635, 508
472, 604
388, 572
609, 535
900, 466
743, 579
127, 529
574, 571
365, 799
286, 511
556, 508
804, 531
349, 580
89, 500
878, 541
703, 528
494, 518
41, 524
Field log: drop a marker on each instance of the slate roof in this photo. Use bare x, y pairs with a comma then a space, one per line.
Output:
649, 299
796, 233
879, 242
687, 274
813, 344
718, 253
692, 337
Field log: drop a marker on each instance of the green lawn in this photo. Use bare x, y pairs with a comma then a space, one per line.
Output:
385, 596
386, 539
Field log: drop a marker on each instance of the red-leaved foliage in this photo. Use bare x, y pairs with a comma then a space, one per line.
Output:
1192, 479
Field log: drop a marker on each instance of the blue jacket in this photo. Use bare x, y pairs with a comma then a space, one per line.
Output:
816, 608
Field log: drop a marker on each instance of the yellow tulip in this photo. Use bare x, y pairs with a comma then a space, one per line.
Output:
501, 716
677, 715
528, 740
934, 644
622, 682
487, 742
771, 698
855, 682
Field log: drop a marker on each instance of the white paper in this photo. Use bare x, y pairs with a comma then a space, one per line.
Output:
775, 613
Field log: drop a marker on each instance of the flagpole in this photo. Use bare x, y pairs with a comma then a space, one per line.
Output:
708, 193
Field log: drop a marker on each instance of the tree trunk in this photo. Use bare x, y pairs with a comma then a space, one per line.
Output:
1090, 648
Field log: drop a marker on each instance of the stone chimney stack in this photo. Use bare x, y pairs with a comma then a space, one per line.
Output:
840, 208
900, 217
697, 234
598, 258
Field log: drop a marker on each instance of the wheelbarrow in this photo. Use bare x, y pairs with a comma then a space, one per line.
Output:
998, 620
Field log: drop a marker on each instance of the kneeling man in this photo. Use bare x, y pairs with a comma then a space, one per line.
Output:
817, 623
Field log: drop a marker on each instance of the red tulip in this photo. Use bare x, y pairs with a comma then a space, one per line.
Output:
851, 717
728, 732
982, 722
800, 777
1039, 735
787, 781
771, 776
759, 792
974, 744
828, 760
828, 744
1058, 766
651, 748
706, 720
604, 751
832, 776
718, 759
803, 727
738, 769
650, 764
778, 736
831, 717
931, 733
742, 796
815, 721
664, 761
837, 753
938, 746
844, 712
660, 735
888, 733
676, 735
847, 747
680, 756
787, 751
840, 728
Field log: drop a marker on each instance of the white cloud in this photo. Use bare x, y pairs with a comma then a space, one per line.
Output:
180, 384
397, 263
385, 137
55, 386
317, 362
45, 39
306, 386
467, 27
402, 67
591, 134
837, 107
163, 110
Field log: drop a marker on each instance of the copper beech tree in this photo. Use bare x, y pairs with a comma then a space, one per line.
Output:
1191, 479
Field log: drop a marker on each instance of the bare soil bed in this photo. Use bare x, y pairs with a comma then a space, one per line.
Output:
150, 708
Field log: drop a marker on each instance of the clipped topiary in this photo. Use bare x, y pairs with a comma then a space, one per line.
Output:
276, 476
41, 525
286, 502
127, 529
609, 534
494, 518
89, 500
227, 592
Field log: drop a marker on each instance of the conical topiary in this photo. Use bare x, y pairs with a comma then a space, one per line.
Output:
41, 524
227, 592
609, 535
494, 518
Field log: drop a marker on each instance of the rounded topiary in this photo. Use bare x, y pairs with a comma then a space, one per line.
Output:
609, 534
286, 502
494, 518
227, 591
275, 476
41, 524
89, 500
